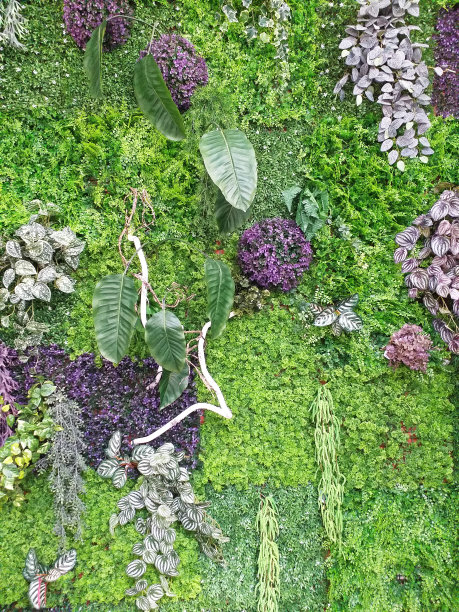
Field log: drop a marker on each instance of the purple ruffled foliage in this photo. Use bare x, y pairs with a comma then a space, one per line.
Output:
114, 398
182, 68
8, 387
446, 87
81, 18
409, 345
274, 254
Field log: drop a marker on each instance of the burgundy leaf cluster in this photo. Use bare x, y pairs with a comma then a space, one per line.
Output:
409, 345
8, 386
274, 254
429, 253
114, 398
446, 86
81, 18
182, 68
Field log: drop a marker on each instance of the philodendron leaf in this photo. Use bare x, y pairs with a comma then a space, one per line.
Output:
230, 161
220, 294
155, 100
114, 315
228, 217
93, 60
172, 385
166, 340
37, 593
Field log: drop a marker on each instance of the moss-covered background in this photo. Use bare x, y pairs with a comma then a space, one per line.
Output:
56, 144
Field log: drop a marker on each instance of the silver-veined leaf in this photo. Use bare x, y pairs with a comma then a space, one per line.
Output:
336, 328
23, 267
149, 556
136, 500
112, 523
138, 548
114, 315
230, 161
155, 99
348, 304
41, 292
326, 317
66, 562
142, 452
13, 249
114, 445
93, 60
107, 468
166, 340
143, 603
119, 477
172, 385
228, 217
349, 321
220, 294
32, 567
155, 592
136, 568
37, 593
126, 516
65, 284
140, 585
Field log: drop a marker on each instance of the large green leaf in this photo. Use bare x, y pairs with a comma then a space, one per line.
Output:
220, 294
230, 161
172, 385
228, 218
166, 340
114, 315
93, 60
155, 100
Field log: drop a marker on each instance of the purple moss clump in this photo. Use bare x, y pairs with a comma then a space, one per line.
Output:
446, 87
114, 398
274, 254
182, 68
81, 18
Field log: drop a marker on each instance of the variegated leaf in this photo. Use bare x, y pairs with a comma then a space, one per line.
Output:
13, 249
157, 533
126, 516
439, 210
349, 303
47, 274
143, 603
8, 277
149, 556
138, 548
326, 317
23, 267
419, 279
349, 321
400, 255
141, 526
188, 523
142, 452
136, 568
440, 245
155, 592
41, 292
169, 536
66, 562
31, 568
119, 477
408, 237
136, 500
336, 328
112, 523
65, 284
114, 445
107, 468
37, 593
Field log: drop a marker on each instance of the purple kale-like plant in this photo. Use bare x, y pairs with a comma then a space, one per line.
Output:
182, 68
111, 398
429, 253
446, 85
409, 345
81, 18
8, 387
274, 254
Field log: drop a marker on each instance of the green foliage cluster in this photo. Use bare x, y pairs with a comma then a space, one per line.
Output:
398, 553
268, 586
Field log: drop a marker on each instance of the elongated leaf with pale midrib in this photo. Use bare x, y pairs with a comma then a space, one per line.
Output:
166, 340
155, 100
114, 315
172, 385
228, 217
93, 60
220, 294
230, 161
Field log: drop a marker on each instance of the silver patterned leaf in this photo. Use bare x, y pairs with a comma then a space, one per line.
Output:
142, 452
439, 210
166, 448
151, 542
8, 277
66, 562
23, 267
230, 13
41, 292
13, 249
408, 237
393, 156
349, 303
72, 261
409, 265
195, 514
136, 499
63, 237
169, 536
419, 279
114, 445
144, 466
136, 568
440, 245
47, 274
75, 249
141, 526
31, 232
400, 255
143, 603
123, 503
65, 284
31, 568
155, 592
119, 477
138, 548
336, 328
188, 523
349, 321
37, 593
24, 292
5, 321
326, 317
149, 556
140, 586
107, 468
113, 523
4, 295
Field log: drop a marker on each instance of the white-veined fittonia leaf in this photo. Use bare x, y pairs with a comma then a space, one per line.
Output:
136, 568
65, 284
13, 249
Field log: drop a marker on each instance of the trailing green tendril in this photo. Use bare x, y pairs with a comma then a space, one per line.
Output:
268, 558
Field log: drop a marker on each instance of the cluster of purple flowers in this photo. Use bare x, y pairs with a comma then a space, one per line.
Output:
274, 254
81, 18
409, 345
8, 388
182, 68
446, 86
113, 398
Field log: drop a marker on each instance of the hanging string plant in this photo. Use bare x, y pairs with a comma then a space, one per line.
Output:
331, 484
268, 587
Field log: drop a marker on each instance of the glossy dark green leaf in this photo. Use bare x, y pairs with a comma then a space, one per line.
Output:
155, 100
93, 60
228, 217
172, 385
220, 294
166, 340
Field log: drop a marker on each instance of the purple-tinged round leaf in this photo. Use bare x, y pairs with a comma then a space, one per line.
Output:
442, 290
454, 293
424, 252
444, 331
423, 221
433, 282
456, 307
453, 344
439, 210
444, 228
413, 293
430, 303
419, 279
400, 255
440, 245
409, 265
408, 237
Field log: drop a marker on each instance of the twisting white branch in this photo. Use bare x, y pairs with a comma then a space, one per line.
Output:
222, 409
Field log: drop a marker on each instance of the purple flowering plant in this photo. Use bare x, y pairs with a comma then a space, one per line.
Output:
8, 388
410, 346
183, 70
274, 254
111, 398
82, 17
446, 84
429, 253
